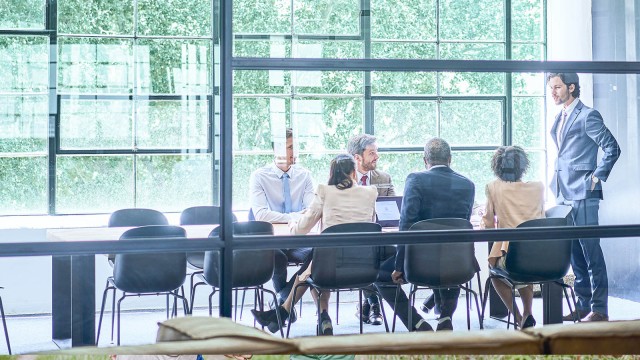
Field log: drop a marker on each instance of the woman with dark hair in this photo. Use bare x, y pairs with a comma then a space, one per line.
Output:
510, 202
341, 201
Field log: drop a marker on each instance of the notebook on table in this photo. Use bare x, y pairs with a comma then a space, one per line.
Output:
388, 210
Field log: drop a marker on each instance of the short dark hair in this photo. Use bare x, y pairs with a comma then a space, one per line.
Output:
509, 163
358, 144
437, 152
568, 79
342, 166
289, 135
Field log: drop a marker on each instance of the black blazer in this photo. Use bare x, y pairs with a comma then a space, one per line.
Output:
430, 194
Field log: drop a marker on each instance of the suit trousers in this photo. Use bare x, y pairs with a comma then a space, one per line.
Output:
282, 259
587, 260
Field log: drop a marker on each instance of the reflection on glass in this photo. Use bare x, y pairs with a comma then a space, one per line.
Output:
24, 64
408, 19
405, 123
469, 123
326, 17
96, 124
174, 17
90, 65
253, 118
179, 124
114, 17
22, 14
24, 185
168, 66
243, 165
173, 182
94, 184
274, 47
23, 123
258, 17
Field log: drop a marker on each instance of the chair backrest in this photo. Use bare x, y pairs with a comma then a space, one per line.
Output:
137, 217
544, 260
154, 272
560, 211
440, 264
202, 215
346, 267
250, 267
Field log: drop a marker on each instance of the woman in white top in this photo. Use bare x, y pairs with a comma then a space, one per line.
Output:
341, 201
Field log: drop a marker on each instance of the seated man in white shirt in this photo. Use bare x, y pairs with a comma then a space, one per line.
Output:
278, 193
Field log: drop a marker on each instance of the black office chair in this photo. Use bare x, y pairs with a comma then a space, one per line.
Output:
147, 274
535, 262
251, 268
345, 268
560, 211
440, 266
199, 215
4, 325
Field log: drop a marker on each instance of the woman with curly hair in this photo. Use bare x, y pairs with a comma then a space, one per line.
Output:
510, 202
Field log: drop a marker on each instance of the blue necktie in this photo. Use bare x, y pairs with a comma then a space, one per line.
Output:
286, 191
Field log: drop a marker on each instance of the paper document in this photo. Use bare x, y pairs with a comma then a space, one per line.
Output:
387, 210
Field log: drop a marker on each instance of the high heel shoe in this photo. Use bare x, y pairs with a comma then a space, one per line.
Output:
528, 322
270, 318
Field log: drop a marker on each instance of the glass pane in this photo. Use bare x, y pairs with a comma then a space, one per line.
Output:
262, 17
96, 124
472, 20
243, 165
469, 123
24, 123
476, 165
527, 52
173, 182
472, 83
261, 82
537, 166
528, 122
328, 82
330, 17
326, 123
409, 19
528, 84
180, 124
173, 66
174, 17
253, 119
24, 64
91, 65
318, 164
527, 22
402, 50
328, 49
471, 51
275, 46
399, 165
403, 83
405, 123
114, 17
22, 14
24, 185
94, 184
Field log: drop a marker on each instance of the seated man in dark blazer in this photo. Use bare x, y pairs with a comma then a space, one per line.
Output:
438, 192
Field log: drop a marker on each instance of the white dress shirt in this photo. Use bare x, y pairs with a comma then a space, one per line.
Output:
267, 197
360, 175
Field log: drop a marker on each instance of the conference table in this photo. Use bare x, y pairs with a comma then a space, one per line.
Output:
73, 284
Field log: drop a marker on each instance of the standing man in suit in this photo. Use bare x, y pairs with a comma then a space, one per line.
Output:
364, 149
278, 193
438, 192
578, 132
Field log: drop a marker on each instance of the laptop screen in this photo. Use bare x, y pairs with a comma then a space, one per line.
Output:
388, 210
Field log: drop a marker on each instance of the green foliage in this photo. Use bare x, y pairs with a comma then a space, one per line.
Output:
527, 20
407, 19
22, 14
405, 123
174, 17
471, 122
113, 17
334, 17
24, 64
24, 189
472, 20
528, 122
23, 123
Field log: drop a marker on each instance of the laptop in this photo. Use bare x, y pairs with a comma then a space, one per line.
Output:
388, 210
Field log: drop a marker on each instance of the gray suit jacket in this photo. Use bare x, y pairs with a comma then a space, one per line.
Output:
382, 182
583, 133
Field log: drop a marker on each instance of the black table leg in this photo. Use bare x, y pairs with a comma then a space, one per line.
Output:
552, 303
61, 297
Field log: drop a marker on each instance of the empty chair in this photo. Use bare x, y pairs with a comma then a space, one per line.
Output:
4, 325
441, 266
251, 268
536, 262
137, 217
353, 267
147, 274
560, 211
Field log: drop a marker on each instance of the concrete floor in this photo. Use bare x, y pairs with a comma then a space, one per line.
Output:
30, 334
